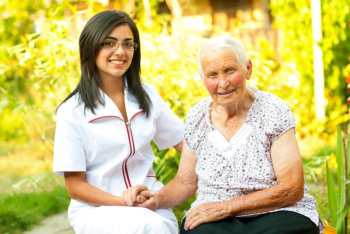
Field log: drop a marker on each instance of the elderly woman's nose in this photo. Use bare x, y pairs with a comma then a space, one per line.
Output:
222, 81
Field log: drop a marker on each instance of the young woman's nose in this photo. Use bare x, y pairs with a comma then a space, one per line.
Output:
119, 50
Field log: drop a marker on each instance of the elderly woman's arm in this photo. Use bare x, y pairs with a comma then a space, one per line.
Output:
288, 168
180, 188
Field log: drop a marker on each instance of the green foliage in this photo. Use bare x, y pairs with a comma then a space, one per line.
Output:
338, 202
170, 64
20, 211
37, 73
335, 45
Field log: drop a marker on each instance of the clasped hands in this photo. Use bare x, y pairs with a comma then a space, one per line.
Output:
140, 196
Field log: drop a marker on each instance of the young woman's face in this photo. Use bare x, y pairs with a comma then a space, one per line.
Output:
223, 76
112, 64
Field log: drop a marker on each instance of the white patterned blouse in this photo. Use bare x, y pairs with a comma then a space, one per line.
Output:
228, 169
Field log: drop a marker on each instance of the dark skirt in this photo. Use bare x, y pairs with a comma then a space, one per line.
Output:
281, 222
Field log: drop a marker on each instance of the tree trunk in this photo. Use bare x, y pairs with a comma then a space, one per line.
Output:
131, 8
148, 13
176, 16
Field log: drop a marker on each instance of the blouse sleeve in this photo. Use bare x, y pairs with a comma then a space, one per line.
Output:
169, 128
281, 117
69, 153
194, 125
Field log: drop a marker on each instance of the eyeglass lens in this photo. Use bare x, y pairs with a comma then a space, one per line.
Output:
110, 44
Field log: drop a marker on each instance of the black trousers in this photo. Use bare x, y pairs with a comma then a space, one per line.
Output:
281, 222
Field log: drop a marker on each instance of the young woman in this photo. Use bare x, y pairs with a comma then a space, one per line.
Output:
104, 129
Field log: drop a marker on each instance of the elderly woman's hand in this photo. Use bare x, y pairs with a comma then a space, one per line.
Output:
205, 213
133, 195
151, 202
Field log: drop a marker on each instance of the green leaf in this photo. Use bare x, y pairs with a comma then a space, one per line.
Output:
341, 168
341, 217
331, 195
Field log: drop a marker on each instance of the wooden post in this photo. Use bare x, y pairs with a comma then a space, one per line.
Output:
318, 62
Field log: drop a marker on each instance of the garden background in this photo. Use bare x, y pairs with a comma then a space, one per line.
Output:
39, 67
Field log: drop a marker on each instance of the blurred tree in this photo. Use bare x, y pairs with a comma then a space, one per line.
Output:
176, 15
148, 13
293, 19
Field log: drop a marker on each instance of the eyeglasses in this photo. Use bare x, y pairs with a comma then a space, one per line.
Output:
110, 44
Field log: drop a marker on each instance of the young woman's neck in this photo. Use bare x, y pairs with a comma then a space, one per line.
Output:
113, 87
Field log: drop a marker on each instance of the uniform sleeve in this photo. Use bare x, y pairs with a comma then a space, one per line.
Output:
169, 128
281, 118
69, 153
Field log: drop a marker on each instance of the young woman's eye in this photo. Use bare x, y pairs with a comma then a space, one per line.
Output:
127, 45
109, 44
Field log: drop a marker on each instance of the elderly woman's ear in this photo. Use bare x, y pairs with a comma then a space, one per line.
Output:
249, 69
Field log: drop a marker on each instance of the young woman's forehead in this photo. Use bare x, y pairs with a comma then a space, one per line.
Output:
120, 33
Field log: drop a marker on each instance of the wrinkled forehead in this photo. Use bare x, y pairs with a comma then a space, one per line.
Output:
215, 53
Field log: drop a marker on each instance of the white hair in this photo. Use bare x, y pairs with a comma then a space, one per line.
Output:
224, 41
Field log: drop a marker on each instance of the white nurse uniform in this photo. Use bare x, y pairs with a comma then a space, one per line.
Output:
115, 155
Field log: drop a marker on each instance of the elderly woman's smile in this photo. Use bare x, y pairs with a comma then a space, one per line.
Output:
227, 92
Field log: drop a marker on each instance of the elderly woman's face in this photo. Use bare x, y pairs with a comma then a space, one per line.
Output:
223, 76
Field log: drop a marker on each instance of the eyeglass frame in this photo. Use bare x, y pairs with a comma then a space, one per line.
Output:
135, 44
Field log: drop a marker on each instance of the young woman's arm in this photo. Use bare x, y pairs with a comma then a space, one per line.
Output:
178, 147
79, 189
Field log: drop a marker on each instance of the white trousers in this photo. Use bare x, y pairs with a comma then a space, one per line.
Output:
123, 220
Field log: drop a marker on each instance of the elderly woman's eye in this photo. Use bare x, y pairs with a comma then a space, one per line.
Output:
230, 70
212, 75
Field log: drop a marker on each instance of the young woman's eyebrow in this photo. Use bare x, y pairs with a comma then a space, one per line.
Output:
116, 39
113, 38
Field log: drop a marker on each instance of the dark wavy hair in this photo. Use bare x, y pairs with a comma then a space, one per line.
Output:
93, 34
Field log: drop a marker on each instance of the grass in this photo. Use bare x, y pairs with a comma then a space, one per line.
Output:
21, 211
29, 190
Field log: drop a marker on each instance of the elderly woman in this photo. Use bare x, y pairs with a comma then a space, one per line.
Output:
240, 155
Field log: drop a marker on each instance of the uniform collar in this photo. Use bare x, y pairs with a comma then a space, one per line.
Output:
110, 109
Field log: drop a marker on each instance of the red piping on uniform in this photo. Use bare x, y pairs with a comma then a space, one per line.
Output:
131, 145
135, 115
124, 167
132, 150
108, 116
